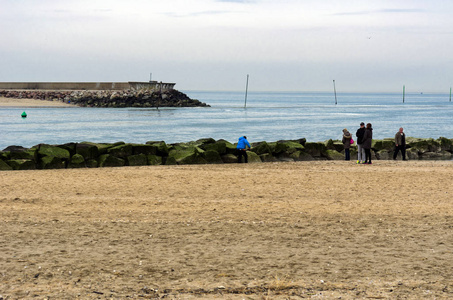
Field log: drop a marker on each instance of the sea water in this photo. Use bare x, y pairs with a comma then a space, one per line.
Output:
266, 116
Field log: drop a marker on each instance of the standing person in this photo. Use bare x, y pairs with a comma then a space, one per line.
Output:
360, 151
367, 139
400, 144
241, 148
346, 144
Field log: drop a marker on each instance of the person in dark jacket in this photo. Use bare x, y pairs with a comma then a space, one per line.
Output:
241, 149
400, 144
360, 151
367, 139
346, 144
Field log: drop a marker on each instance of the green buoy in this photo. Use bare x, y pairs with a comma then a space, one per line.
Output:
24, 115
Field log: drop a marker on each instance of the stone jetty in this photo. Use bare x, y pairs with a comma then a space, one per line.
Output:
109, 98
204, 151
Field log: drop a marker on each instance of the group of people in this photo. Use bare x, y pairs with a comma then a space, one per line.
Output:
364, 138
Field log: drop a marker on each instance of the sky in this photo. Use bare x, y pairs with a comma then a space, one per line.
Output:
287, 45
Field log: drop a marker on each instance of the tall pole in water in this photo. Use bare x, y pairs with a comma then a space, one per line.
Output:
335, 92
246, 90
450, 94
404, 92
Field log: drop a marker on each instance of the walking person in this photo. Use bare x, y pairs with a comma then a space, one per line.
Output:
346, 144
367, 139
360, 151
400, 144
241, 149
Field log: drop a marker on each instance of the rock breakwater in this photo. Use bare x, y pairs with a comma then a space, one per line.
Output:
110, 98
203, 151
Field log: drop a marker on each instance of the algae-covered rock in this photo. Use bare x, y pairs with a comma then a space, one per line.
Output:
261, 148
384, 154
445, 144
187, 154
137, 160
145, 149
53, 151
107, 160
121, 151
212, 157
4, 166
170, 161
229, 158
425, 145
337, 146
52, 162
77, 161
154, 160
92, 163
287, 146
22, 164
89, 151
218, 146
162, 148
334, 155
252, 157
71, 147
305, 157
29, 154
267, 157
315, 149
385, 144
443, 155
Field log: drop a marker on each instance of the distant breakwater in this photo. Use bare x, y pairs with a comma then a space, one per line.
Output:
204, 151
109, 98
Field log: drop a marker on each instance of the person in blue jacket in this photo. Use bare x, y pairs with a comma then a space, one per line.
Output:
241, 147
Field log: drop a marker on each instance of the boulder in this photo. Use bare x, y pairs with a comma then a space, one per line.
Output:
218, 146
411, 154
92, 163
337, 146
107, 160
385, 144
305, 157
316, 150
52, 162
102, 147
71, 147
184, 154
384, 154
121, 151
170, 161
334, 155
22, 164
15, 149
88, 151
4, 166
162, 148
77, 161
425, 145
261, 148
26, 154
229, 158
53, 151
154, 160
253, 157
287, 146
445, 144
443, 155
267, 157
137, 160
145, 149
212, 157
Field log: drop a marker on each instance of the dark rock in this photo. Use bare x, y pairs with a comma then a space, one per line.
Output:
137, 160
4, 166
107, 160
212, 157
77, 161
261, 148
92, 163
53, 151
162, 148
52, 162
229, 158
15, 149
145, 149
88, 151
21, 164
267, 157
154, 160
316, 150
121, 151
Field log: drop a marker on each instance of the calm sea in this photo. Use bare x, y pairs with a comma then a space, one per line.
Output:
269, 116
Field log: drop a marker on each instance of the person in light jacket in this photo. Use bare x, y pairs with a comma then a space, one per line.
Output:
241, 148
360, 151
367, 139
346, 144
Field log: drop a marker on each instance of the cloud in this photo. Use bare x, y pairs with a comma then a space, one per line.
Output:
379, 11
198, 13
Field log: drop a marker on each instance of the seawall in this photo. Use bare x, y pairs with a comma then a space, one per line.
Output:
93, 86
204, 151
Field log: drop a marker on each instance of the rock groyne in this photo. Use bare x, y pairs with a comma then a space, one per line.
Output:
110, 98
204, 151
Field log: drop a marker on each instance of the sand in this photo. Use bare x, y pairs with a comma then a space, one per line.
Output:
12, 102
251, 231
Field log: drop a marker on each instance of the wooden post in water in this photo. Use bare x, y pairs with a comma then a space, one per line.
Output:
246, 90
404, 92
335, 92
450, 94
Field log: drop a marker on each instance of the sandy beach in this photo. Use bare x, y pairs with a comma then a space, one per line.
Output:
13, 102
256, 231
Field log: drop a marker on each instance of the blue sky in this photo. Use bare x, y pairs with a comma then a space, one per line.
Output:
288, 45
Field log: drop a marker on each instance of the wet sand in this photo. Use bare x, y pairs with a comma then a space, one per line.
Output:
256, 231
12, 102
